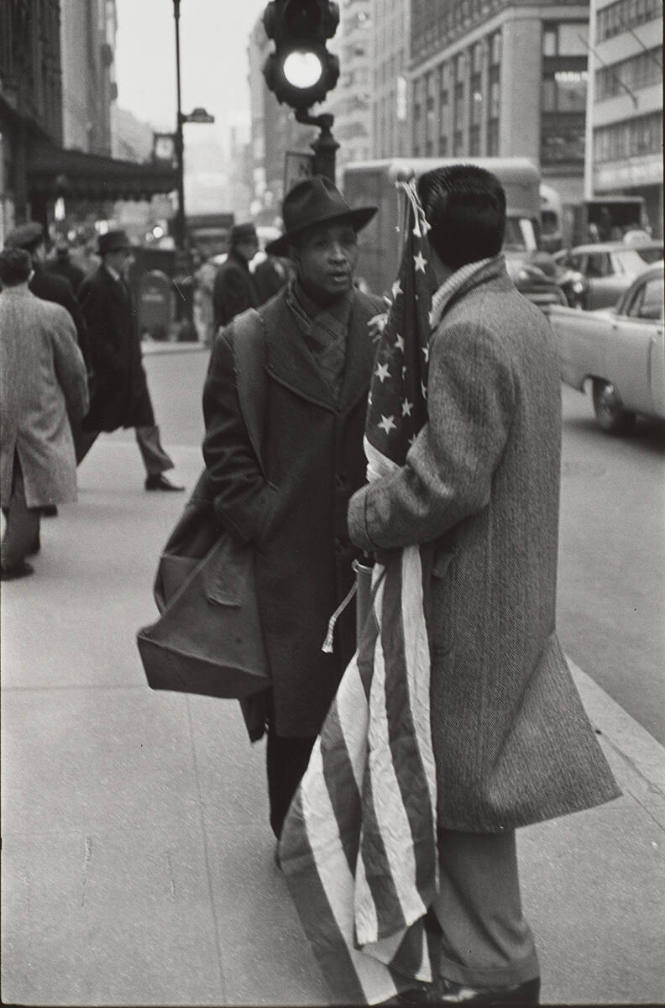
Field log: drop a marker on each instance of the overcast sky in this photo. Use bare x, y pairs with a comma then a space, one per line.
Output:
213, 59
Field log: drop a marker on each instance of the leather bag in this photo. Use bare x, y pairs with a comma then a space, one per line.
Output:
208, 638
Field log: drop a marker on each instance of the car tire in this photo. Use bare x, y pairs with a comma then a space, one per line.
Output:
610, 413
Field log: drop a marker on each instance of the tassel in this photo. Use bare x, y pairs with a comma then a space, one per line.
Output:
327, 645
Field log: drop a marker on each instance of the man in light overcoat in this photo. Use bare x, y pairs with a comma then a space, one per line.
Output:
512, 743
318, 357
43, 380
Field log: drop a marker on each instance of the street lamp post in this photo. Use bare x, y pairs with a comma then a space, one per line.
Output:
180, 228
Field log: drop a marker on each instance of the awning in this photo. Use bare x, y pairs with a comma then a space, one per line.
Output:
54, 171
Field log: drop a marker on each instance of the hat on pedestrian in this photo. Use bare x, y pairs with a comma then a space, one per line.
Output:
26, 236
316, 200
241, 233
112, 241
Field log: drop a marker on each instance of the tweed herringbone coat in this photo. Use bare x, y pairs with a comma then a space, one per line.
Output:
511, 740
42, 379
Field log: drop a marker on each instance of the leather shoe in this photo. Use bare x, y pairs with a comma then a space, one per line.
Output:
449, 992
19, 570
160, 482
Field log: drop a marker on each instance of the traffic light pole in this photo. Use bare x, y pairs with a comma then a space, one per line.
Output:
325, 145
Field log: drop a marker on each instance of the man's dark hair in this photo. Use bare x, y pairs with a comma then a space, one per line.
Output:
466, 208
15, 266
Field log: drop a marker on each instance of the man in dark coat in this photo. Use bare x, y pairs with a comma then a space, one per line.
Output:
292, 503
119, 396
234, 289
512, 744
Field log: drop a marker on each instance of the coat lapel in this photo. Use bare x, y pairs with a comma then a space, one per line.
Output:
360, 351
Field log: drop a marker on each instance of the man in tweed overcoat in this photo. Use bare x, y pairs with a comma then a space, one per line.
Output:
511, 741
43, 379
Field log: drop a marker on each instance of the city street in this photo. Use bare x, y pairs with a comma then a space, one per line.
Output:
137, 862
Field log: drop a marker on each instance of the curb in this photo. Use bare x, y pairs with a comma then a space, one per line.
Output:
639, 758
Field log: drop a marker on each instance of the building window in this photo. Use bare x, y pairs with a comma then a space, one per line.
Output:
564, 91
566, 39
640, 71
636, 138
493, 138
495, 49
626, 14
562, 138
474, 141
443, 146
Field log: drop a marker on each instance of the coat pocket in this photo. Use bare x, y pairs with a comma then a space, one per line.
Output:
441, 620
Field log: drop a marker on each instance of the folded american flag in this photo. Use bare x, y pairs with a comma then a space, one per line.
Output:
359, 847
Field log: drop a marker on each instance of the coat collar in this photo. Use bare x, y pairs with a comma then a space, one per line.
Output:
290, 362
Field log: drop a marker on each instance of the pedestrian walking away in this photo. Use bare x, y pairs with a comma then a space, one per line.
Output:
119, 395
291, 505
234, 289
479, 491
43, 379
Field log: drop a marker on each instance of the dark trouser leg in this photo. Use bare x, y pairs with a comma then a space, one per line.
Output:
154, 457
286, 761
486, 942
22, 529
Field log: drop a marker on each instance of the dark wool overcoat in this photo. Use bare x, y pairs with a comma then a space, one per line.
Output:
58, 289
233, 290
511, 740
119, 395
296, 514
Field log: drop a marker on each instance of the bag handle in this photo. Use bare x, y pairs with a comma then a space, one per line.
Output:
249, 360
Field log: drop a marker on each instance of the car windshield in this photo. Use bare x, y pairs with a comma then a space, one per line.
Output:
633, 260
520, 235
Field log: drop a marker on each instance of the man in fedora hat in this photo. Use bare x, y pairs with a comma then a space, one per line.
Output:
234, 289
291, 504
45, 285
119, 396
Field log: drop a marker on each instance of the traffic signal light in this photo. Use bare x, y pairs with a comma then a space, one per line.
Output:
300, 71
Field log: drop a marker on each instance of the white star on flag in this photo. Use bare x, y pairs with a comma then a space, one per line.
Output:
423, 390
399, 342
382, 372
425, 350
387, 423
420, 262
396, 289
406, 408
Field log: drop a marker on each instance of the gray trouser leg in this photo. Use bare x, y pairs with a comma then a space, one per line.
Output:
22, 525
154, 457
486, 941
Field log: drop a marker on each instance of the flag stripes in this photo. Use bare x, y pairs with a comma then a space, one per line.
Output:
359, 848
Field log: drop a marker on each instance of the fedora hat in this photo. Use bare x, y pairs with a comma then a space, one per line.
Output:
316, 200
26, 236
112, 241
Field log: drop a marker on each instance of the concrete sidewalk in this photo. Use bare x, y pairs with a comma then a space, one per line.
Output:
137, 861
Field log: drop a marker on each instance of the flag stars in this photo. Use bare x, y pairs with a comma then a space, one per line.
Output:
387, 423
399, 342
382, 372
420, 262
425, 350
423, 390
406, 407
396, 289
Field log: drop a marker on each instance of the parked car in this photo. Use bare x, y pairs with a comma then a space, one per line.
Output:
619, 352
596, 275
533, 273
